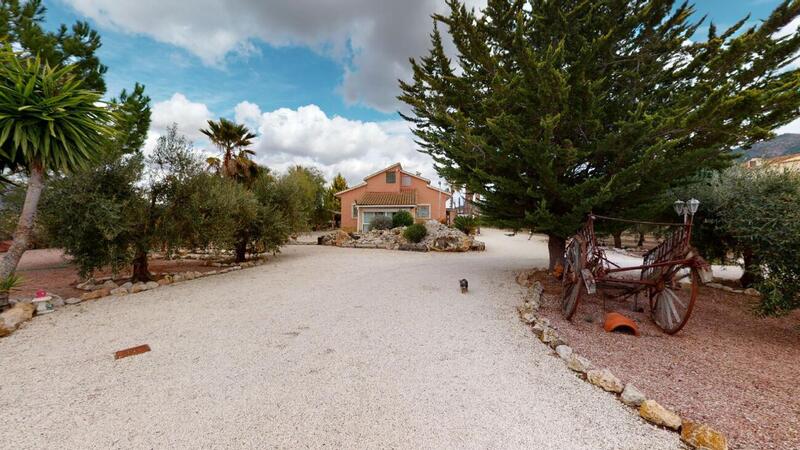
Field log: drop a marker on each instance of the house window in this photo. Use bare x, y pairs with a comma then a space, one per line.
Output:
424, 211
355, 210
391, 177
406, 180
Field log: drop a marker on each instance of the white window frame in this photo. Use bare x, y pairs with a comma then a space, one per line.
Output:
429, 211
393, 174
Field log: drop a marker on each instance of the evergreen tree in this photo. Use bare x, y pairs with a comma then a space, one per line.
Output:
338, 184
21, 25
558, 108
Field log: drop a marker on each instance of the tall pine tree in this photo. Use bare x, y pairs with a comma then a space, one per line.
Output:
554, 109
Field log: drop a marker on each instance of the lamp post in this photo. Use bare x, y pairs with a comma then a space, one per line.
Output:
687, 209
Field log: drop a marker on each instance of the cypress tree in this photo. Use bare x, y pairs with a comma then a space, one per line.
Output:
553, 109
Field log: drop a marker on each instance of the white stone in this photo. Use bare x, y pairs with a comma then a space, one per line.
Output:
632, 396
151, 284
564, 352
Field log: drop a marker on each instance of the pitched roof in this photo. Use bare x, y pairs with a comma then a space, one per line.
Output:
403, 198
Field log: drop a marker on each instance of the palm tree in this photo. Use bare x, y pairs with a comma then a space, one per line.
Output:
48, 123
231, 138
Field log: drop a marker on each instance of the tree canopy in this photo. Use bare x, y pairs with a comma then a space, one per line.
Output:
21, 25
555, 109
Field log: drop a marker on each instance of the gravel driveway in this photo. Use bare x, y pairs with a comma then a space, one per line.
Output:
322, 347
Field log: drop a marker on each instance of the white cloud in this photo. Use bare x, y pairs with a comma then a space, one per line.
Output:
373, 39
190, 117
308, 136
248, 114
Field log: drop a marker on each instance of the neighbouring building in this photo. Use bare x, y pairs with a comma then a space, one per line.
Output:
388, 191
790, 162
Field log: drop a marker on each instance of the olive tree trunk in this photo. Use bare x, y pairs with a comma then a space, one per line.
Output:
617, 239
22, 235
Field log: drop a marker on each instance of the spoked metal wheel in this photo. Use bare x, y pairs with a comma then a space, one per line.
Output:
574, 262
672, 299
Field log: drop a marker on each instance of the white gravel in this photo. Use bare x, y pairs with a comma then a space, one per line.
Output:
322, 347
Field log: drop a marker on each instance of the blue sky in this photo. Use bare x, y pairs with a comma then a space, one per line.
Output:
317, 79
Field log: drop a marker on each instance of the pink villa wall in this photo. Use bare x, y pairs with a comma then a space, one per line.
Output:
377, 183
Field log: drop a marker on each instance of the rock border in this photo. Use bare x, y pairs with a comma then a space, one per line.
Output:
24, 310
695, 435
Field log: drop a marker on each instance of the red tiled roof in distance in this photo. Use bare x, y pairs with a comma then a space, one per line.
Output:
404, 198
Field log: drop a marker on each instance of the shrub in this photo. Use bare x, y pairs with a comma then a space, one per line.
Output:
380, 223
467, 224
753, 215
415, 232
402, 219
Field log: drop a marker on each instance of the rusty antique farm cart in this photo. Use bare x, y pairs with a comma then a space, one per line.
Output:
668, 276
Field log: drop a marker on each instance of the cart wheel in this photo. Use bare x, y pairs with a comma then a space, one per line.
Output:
672, 300
572, 280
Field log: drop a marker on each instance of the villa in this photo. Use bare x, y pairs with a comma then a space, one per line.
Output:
390, 190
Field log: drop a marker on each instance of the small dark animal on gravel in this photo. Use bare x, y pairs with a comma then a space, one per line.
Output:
464, 286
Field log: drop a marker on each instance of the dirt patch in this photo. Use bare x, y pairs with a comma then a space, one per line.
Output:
48, 269
728, 368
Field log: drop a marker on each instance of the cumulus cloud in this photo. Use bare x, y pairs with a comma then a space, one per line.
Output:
373, 39
190, 117
308, 136
248, 114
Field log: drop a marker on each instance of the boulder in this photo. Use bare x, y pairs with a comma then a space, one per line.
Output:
579, 364
127, 285
442, 238
110, 285
701, 436
336, 238
527, 313
632, 396
549, 335
100, 293
604, 379
538, 329
138, 287
197, 274
536, 292
524, 280
152, 284
752, 292
119, 291
87, 285
11, 319
165, 281
564, 352
177, 278
72, 301
652, 412
477, 246
57, 301
412, 247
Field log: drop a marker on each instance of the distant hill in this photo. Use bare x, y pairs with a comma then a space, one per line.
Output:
785, 144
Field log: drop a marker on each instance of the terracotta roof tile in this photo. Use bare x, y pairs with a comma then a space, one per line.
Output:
388, 198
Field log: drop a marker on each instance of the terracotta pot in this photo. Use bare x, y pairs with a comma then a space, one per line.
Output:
617, 322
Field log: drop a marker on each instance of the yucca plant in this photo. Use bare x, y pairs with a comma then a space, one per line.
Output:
7, 285
48, 123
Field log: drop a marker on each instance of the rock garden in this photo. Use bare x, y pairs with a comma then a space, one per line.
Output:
436, 237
